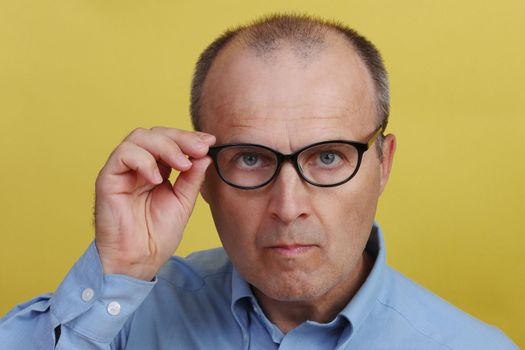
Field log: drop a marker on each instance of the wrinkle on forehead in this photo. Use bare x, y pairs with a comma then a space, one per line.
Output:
286, 105
288, 135
250, 121
234, 113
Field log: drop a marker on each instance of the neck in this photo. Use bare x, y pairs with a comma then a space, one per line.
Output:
287, 315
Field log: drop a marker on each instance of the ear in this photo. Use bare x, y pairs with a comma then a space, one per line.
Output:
389, 148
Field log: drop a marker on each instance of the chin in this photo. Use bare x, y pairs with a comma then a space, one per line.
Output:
292, 291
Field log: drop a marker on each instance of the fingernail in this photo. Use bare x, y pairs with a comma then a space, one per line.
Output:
183, 161
157, 177
205, 137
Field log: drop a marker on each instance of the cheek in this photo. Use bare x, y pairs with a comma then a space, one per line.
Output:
236, 217
347, 215
351, 204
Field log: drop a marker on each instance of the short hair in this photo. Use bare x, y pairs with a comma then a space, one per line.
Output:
304, 33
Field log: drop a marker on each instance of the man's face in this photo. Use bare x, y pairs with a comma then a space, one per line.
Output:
290, 240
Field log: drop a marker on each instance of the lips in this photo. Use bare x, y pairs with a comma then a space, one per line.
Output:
291, 249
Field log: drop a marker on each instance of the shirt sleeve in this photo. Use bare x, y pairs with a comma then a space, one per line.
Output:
87, 311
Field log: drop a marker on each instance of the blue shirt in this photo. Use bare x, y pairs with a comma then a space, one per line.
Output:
201, 302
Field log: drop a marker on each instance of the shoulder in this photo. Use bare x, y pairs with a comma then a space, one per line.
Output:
196, 270
432, 317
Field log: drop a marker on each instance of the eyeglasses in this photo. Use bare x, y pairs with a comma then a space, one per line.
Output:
325, 164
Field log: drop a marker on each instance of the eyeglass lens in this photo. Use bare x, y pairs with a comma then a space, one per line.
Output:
324, 164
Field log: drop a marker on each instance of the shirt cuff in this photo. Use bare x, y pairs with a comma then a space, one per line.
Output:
97, 305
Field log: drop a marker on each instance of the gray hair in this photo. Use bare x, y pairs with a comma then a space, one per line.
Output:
305, 33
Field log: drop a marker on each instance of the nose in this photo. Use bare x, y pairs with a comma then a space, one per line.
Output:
290, 199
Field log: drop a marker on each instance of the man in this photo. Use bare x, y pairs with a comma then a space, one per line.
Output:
292, 111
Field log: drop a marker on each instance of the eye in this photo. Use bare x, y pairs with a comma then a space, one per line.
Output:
328, 158
249, 159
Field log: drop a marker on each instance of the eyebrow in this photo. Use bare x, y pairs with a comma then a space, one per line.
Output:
240, 137
241, 142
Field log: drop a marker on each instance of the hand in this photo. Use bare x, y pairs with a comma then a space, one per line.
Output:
139, 215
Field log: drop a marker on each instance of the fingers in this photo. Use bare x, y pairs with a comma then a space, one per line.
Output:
193, 144
166, 146
172, 146
133, 157
185, 139
188, 184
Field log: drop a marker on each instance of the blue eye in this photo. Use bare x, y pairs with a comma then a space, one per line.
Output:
250, 159
327, 158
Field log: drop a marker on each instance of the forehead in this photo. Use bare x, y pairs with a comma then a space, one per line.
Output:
284, 99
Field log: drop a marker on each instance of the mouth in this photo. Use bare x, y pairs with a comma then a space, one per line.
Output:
291, 250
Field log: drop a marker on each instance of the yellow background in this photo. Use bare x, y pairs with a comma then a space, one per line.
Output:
77, 76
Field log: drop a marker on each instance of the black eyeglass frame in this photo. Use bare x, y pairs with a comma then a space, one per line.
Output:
292, 157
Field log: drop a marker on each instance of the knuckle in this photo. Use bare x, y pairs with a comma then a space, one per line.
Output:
157, 128
124, 147
136, 133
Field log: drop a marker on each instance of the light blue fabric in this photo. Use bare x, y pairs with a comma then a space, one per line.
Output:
201, 302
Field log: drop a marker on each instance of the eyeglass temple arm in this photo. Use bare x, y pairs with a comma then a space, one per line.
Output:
375, 136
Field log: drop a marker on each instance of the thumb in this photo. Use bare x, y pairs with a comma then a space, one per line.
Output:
188, 183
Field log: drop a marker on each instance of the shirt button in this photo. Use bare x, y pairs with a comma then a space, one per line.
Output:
113, 308
88, 294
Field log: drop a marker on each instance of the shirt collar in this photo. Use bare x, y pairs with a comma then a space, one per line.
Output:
356, 310
240, 288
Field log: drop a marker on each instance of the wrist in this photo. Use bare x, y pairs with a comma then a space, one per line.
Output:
116, 264
136, 271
